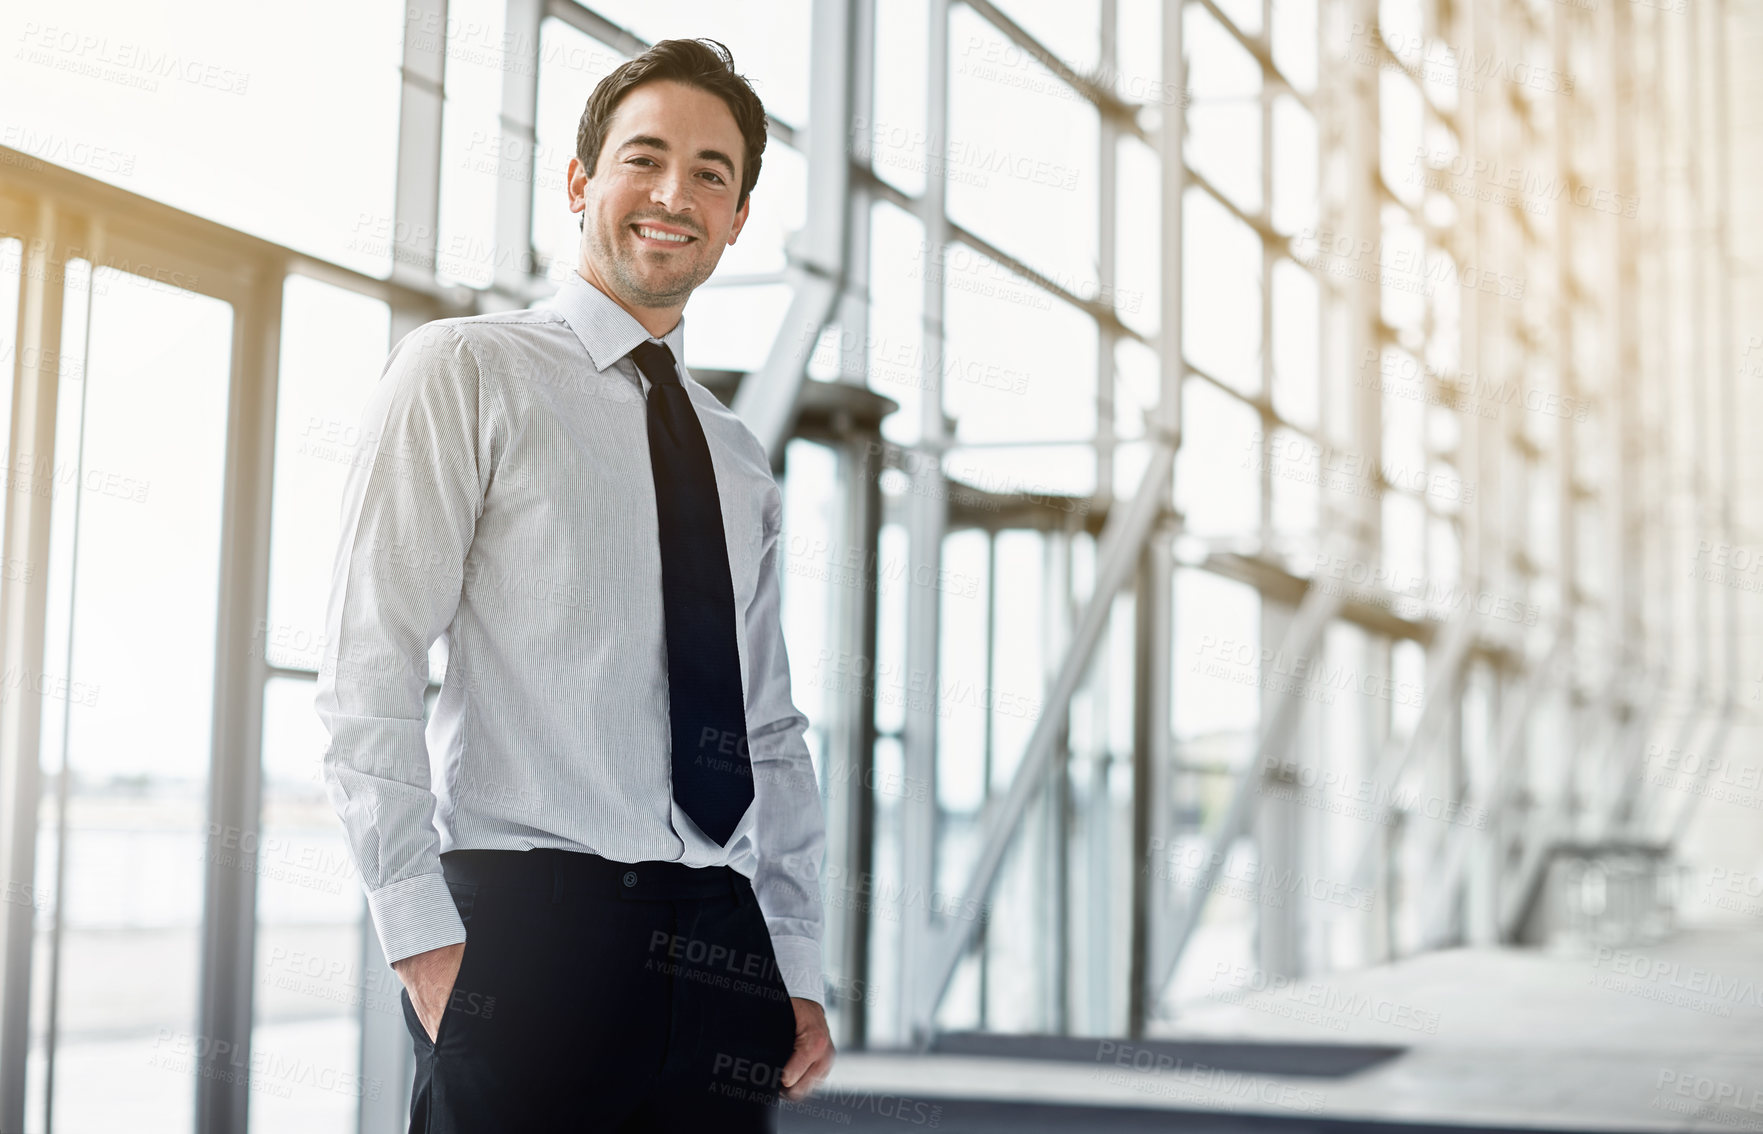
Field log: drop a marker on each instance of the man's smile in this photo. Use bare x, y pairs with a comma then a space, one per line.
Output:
661, 237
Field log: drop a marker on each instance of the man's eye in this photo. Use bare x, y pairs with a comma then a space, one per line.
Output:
718, 176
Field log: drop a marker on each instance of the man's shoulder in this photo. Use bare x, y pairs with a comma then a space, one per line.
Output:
510, 327
488, 337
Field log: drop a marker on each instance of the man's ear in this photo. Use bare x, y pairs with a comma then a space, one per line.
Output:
575, 181
740, 218
575, 184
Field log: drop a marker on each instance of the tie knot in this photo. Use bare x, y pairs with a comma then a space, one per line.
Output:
656, 362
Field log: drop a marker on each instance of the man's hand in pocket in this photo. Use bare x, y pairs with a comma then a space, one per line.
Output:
429, 978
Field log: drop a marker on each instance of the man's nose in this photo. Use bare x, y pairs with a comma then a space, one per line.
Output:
673, 191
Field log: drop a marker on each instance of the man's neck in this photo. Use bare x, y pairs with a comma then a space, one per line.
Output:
658, 321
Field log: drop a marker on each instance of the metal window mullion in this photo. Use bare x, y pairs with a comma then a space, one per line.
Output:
23, 627
927, 521
229, 920
1151, 923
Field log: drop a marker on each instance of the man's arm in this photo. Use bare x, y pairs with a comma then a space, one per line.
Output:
789, 829
409, 511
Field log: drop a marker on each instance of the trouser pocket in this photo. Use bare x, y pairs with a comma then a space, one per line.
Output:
463, 996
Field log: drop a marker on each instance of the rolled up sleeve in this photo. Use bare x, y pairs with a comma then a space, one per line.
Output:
410, 506
789, 828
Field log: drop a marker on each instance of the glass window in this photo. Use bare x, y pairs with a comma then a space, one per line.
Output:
768, 39
471, 143
1022, 150
1217, 663
334, 347
1443, 560
1245, 14
1019, 364
1294, 166
732, 328
1047, 474
1402, 264
779, 206
1070, 29
896, 316
1138, 236
1223, 140
1294, 42
1407, 688
1218, 467
1295, 343
1137, 384
140, 452
1399, 22
1138, 54
1404, 436
1404, 539
897, 149
1444, 335
886, 674
1221, 306
313, 979
1294, 506
1215, 711
1400, 118
813, 564
223, 116
962, 680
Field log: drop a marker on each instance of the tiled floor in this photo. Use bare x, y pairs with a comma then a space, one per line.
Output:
1669, 1037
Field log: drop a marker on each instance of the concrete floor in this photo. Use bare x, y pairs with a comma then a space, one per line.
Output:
1665, 1037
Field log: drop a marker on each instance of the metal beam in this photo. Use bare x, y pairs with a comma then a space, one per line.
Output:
852, 732
1153, 631
818, 251
416, 198
927, 508
514, 267
229, 916
23, 620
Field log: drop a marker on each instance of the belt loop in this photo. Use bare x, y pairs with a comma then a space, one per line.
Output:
556, 880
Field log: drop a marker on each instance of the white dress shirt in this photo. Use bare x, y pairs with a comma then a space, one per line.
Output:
501, 494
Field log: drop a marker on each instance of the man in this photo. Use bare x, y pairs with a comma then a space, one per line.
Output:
618, 926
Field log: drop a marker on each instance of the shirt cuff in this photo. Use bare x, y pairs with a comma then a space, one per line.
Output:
798, 962
414, 915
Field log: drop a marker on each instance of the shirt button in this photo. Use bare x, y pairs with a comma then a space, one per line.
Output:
630, 878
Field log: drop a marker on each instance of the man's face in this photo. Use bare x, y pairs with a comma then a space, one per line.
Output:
670, 167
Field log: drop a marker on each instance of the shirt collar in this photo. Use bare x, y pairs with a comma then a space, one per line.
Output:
608, 331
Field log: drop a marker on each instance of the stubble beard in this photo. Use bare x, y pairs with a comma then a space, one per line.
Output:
623, 263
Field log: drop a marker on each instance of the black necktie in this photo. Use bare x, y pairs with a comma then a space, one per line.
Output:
712, 772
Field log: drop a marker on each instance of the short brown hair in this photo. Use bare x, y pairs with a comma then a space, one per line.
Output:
702, 63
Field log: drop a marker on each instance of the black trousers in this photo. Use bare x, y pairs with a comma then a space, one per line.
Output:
596, 995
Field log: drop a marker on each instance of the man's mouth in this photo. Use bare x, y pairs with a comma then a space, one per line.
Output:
661, 237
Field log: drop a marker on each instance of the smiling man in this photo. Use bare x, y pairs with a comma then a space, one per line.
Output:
605, 911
